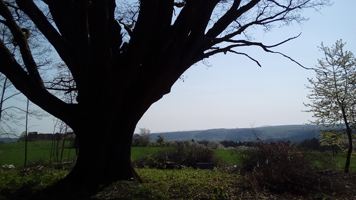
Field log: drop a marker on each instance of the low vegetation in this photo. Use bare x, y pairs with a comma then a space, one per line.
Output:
183, 155
266, 171
278, 168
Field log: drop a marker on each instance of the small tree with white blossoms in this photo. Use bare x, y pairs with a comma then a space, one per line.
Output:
332, 92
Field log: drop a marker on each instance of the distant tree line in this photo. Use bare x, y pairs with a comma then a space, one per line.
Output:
328, 142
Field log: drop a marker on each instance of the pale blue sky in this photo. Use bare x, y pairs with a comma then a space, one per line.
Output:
235, 92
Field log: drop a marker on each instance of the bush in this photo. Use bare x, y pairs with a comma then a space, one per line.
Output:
278, 168
184, 154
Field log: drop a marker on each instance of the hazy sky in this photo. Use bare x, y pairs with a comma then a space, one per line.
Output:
235, 93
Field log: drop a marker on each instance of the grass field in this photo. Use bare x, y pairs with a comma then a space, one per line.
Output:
14, 153
137, 152
227, 156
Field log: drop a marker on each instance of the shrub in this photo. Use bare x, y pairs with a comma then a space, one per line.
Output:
278, 168
185, 154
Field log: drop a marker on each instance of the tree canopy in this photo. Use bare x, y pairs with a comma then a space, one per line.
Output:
333, 89
122, 57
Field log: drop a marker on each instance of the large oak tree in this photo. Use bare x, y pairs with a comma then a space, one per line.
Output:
124, 57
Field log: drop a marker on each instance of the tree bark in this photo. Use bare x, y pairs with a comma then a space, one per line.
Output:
105, 129
104, 152
103, 159
349, 136
349, 151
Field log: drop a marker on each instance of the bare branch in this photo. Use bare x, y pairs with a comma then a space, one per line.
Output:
20, 36
52, 35
242, 43
34, 91
248, 56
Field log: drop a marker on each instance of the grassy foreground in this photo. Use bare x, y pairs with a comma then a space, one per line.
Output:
175, 184
158, 184
324, 180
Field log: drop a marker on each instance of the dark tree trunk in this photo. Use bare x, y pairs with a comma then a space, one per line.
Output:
349, 136
104, 154
349, 151
104, 141
334, 148
104, 136
104, 132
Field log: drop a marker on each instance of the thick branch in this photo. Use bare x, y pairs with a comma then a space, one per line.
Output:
200, 17
230, 16
188, 17
105, 33
154, 20
71, 19
52, 35
21, 40
31, 88
189, 30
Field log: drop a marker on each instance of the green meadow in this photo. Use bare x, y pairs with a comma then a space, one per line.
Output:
45, 151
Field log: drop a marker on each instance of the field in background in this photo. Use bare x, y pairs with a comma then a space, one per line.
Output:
44, 151
14, 153
137, 152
